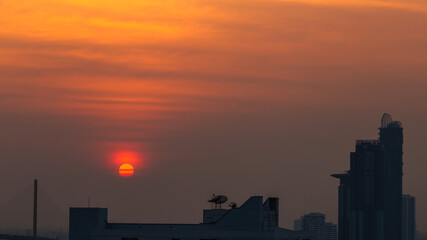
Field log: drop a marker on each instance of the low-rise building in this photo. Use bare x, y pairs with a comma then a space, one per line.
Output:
255, 219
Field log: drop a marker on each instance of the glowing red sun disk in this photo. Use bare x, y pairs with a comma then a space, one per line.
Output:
126, 170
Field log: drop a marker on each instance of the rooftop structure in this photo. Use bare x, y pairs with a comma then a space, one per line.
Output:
255, 219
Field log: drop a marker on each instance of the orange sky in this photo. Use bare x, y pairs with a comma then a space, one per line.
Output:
170, 53
154, 74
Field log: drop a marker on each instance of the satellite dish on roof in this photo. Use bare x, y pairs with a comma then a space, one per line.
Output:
218, 200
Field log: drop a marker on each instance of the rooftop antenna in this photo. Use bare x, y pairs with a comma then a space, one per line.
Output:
35, 210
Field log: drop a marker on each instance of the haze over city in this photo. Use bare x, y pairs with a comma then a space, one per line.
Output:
229, 97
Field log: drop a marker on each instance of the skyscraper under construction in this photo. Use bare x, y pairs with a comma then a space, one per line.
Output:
370, 193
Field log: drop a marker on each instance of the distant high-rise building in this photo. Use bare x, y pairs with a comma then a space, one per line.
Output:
421, 236
312, 222
298, 225
330, 231
370, 193
315, 223
408, 218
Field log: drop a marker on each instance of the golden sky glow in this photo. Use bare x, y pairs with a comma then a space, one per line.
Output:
156, 59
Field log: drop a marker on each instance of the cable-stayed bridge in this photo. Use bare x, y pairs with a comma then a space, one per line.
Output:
32, 214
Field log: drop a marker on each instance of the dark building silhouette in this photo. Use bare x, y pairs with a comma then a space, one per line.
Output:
409, 228
370, 193
343, 206
256, 219
315, 223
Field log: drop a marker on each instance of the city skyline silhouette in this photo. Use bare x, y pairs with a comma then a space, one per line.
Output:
369, 199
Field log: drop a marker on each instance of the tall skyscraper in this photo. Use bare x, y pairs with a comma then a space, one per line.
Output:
315, 223
370, 193
391, 138
409, 228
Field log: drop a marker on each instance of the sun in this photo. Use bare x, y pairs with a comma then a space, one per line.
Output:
126, 170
